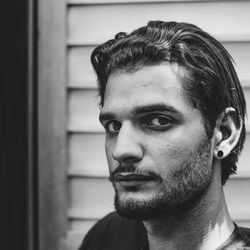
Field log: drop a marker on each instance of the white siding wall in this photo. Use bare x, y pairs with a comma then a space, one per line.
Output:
92, 22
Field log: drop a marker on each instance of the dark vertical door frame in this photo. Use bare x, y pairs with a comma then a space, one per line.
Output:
32, 172
18, 126
52, 164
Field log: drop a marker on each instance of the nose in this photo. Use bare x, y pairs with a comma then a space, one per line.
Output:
127, 148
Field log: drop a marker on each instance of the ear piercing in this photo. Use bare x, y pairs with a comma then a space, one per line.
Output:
220, 153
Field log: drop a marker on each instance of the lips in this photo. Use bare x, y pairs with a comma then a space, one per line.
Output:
132, 177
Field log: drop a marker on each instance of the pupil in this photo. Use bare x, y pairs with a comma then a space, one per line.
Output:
116, 126
162, 121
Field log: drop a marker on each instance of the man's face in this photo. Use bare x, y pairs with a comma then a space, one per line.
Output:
159, 156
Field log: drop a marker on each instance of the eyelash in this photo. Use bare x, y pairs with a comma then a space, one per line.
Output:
159, 127
146, 121
106, 126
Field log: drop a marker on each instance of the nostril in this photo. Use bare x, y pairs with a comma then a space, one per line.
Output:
127, 157
130, 161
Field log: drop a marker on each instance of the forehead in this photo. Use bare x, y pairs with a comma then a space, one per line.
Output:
147, 86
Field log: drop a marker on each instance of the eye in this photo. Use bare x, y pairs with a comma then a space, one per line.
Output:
159, 123
113, 126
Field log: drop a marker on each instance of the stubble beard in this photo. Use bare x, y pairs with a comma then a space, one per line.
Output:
179, 191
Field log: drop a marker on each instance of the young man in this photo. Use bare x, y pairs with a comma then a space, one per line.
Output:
173, 110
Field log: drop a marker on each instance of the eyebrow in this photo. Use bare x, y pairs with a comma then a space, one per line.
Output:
140, 110
154, 108
106, 116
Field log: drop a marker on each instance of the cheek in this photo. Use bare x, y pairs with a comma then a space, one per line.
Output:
170, 151
167, 156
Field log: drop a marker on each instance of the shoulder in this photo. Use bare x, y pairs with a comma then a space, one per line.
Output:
245, 234
114, 232
245, 231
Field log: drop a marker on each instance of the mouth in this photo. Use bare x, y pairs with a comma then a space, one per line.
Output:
133, 177
129, 180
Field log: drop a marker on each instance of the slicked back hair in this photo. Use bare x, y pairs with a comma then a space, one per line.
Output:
211, 83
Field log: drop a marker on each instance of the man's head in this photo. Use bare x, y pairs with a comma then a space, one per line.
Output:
170, 98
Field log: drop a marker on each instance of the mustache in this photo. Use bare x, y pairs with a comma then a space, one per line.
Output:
133, 170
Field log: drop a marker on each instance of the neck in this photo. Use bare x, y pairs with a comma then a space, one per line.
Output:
205, 226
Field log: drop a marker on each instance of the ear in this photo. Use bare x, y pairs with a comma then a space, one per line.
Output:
227, 133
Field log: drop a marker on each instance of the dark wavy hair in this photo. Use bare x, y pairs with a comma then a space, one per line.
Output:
211, 83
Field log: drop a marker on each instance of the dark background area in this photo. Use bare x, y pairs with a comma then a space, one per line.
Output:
18, 143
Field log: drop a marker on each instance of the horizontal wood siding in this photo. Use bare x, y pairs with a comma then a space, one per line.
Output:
94, 2
91, 198
80, 71
86, 155
227, 20
93, 22
83, 111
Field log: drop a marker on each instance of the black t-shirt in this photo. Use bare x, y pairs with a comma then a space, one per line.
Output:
116, 233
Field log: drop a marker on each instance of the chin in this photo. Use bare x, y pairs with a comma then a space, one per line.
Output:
141, 207
145, 206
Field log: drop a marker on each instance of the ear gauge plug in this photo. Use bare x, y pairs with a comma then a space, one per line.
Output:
220, 153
